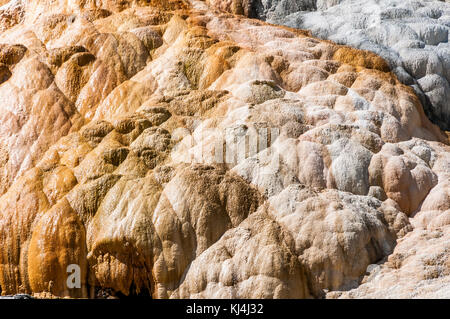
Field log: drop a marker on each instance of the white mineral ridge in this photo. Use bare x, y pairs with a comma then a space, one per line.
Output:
413, 36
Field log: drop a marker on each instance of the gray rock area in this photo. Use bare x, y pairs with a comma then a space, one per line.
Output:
18, 296
413, 36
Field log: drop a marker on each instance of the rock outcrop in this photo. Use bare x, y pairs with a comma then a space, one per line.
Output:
169, 149
412, 36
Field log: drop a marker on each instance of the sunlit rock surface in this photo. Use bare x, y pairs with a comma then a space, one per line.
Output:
412, 36
172, 150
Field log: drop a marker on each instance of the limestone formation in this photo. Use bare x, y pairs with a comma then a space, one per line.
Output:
412, 36
173, 150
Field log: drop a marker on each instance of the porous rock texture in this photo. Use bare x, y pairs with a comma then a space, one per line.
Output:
411, 35
113, 118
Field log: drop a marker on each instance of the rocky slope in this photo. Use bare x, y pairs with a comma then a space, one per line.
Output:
171, 149
413, 36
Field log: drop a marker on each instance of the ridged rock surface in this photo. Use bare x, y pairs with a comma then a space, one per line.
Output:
412, 36
121, 133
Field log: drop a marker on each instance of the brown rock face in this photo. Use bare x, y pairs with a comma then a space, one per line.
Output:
170, 149
58, 240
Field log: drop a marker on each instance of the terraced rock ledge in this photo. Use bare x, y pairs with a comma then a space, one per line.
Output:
171, 149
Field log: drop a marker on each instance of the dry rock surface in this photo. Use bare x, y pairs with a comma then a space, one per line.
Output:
170, 149
412, 36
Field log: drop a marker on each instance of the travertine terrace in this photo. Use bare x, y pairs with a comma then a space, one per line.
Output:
114, 116
413, 36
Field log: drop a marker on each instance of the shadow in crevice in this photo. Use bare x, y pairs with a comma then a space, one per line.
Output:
143, 293
428, 108
108, 293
